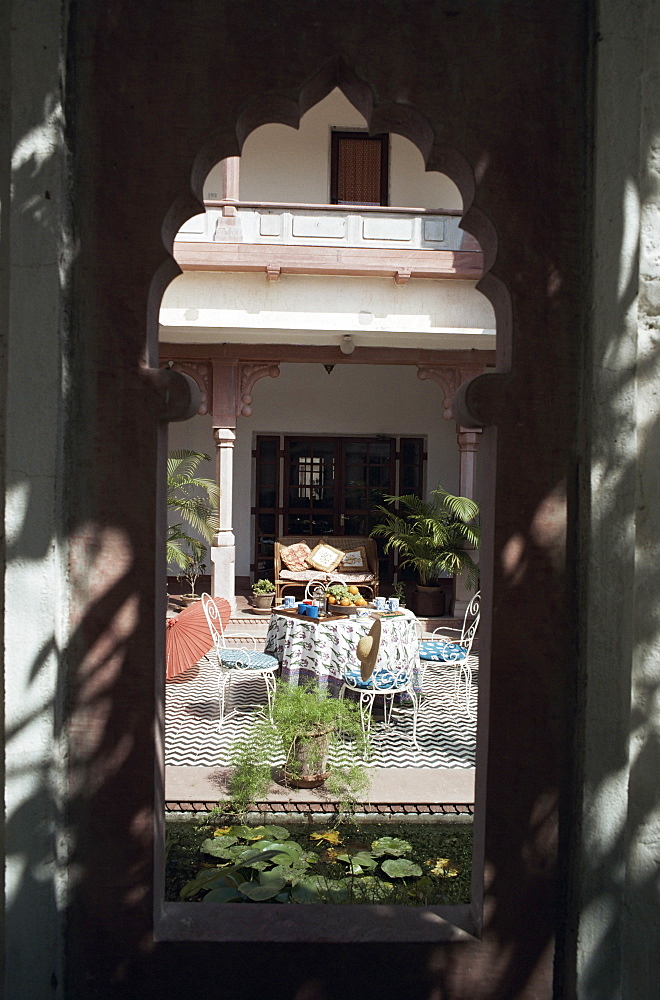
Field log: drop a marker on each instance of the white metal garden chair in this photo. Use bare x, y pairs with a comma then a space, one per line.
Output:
370, 682
451, 647
233, 660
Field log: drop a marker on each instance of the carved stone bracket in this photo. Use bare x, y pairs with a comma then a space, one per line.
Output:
201, 374
249, 375
449, 379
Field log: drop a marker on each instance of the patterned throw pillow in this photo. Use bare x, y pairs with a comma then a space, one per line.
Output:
325, 557
355, 560
296, 557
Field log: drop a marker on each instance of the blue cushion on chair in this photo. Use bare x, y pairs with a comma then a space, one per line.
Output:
257, 661
441, 650
382, 681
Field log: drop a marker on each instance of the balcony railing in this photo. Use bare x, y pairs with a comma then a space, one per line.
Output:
355, 226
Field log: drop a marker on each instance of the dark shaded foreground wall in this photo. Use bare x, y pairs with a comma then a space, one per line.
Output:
498, 96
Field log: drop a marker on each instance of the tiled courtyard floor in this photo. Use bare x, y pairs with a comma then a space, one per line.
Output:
439, 772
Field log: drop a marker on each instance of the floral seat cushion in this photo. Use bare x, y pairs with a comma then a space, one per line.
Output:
255, 661
441, 651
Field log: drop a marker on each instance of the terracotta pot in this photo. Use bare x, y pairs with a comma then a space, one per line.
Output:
310, 753
428, 602
263, 601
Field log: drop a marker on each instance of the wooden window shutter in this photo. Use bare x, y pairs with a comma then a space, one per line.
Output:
359, 169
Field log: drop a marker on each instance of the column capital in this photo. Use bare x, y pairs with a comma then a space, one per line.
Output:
450, 379
249, 375
468, 438
200, 372
223, 436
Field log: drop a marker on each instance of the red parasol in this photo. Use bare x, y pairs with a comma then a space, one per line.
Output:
188, 638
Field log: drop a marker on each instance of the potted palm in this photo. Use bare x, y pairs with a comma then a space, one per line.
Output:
304, 726
263, 594
434, 538
195, 499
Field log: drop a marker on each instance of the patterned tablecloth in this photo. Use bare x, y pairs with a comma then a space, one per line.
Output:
321, 652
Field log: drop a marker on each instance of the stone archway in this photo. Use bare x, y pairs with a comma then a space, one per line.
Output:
522, 779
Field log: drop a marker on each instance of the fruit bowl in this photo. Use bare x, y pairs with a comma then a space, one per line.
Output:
339, 609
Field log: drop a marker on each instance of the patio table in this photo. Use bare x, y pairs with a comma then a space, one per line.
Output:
321, 651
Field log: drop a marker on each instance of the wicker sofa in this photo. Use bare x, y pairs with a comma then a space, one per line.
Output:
286, 579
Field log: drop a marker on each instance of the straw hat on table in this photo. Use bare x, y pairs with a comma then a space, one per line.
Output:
367, 650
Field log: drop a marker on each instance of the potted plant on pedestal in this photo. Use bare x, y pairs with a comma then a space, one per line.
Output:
434, 537
195, 499
263, 594
306, 723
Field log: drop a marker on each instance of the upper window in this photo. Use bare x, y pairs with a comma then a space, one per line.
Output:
359, 169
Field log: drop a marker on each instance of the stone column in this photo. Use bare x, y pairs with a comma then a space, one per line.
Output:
468, 442
230, 183
223, 549
228, 226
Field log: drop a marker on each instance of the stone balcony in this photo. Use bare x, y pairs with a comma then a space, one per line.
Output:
337, 239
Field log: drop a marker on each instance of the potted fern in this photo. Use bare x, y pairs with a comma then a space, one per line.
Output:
434, 538
305, 725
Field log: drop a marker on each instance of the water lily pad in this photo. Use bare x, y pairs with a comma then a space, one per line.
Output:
223, 894
400, 868
217, 846
249, 832
359, 861
276, 832
391, 845
258, 893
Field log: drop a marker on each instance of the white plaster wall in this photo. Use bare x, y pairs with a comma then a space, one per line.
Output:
353, 399
618, 935
202, 307
279, 163
34, 257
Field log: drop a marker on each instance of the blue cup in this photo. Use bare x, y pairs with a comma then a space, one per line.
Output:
289, 601
393, 604
312, 611
302, 609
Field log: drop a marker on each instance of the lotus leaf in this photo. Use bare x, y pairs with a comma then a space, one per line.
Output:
275, 832
360, 860
208, 876
400, 868
217, 846
391, 845
257, 892
223, 894
317, 889
249, 832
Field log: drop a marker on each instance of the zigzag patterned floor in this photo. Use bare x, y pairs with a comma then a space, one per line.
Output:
445, 734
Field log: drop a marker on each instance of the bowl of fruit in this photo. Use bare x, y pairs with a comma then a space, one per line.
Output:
343, 600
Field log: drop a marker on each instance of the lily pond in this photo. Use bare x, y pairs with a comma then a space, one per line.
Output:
401, 864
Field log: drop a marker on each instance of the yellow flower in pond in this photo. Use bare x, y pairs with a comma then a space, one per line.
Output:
332, 836
442, 867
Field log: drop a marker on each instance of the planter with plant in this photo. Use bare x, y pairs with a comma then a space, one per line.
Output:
263, 594
305, 726
434, 537
195, 499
